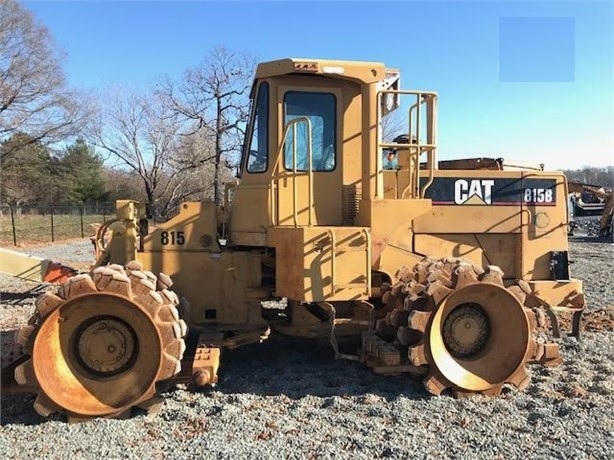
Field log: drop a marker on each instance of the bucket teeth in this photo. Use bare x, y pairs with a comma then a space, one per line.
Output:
417, 355
151, 302
398, 287
141, 285
164, 282
45, 406
493, 274
46, 303
465, 275
169, 332
438, 291
118, 284
435, 383
134, 265
404, 335
170, 366
419, 320
170, 296
24, 374
168, 313
518, 293
24, 337
152, 405
531, 318
78, 285
398, 317
183, 327
176, 348
547, 354
116, 267
520, 379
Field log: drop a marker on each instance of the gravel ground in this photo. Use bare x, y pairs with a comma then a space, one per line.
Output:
291, 399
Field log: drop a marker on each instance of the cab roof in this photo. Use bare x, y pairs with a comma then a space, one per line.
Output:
365, 72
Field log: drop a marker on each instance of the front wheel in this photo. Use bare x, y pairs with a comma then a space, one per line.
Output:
101, 343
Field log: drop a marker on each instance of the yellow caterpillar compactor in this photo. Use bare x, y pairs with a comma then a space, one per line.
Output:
454, 271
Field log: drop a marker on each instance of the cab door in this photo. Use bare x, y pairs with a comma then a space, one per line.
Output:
308, 173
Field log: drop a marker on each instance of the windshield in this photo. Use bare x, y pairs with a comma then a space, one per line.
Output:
258, 148
320, 110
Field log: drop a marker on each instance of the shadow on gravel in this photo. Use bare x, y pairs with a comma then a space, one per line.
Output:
590, 239
16, 409
281, 366
16, 298
296, 368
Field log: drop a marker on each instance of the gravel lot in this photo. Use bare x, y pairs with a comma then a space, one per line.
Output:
292, 399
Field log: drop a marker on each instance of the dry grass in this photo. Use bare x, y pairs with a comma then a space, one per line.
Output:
38, 229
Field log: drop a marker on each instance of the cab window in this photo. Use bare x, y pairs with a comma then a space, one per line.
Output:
320, 110
258, 149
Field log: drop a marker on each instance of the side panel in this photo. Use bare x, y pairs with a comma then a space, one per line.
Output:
391, 231
474, 202
544, 222
213, 282
214, 285
513, 219
314, 264
251, 214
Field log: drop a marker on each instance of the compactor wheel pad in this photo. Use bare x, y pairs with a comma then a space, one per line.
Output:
101, 343
471, 333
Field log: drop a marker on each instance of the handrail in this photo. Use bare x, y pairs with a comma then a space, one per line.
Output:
368, 257
293, 123
413, 189
333, 250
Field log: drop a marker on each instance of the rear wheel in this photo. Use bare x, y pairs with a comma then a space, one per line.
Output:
470, 332
101, 343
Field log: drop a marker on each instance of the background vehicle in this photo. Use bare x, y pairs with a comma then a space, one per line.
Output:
585, 199
448, 274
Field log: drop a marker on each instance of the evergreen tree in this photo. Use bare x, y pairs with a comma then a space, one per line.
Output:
81, 174
24, 173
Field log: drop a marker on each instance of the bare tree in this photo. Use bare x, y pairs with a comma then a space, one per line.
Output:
394, 124
592, 175
142, 134
34, 98
212, 99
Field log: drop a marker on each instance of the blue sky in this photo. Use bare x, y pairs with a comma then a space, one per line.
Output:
529, 81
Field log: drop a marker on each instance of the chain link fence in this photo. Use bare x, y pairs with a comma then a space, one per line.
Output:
40, 224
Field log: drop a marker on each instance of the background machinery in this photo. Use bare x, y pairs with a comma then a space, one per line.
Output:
586, 199
449, 274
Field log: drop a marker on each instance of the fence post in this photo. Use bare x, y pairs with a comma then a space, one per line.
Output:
13, 225
81, 211
52, 229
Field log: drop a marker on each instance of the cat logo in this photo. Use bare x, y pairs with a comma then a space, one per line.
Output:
474, 191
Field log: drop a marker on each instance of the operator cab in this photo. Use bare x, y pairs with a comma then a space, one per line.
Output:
313, 148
